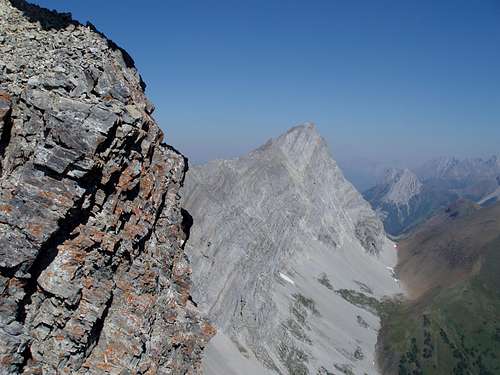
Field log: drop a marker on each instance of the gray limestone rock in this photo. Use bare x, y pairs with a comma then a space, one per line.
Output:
280, 242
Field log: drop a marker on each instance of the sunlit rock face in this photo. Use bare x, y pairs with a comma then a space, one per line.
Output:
93, 276
288, 261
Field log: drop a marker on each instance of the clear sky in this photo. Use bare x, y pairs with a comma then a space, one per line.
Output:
385, 81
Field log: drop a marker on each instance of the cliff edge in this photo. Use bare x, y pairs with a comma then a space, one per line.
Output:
93, 275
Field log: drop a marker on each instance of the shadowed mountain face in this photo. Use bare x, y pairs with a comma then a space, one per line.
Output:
288, 260
450, 268
404, 198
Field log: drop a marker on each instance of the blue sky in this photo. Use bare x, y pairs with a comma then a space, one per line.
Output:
385, 81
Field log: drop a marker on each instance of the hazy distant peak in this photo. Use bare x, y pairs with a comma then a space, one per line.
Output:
454, 168
392, 174
494, 161
403, 186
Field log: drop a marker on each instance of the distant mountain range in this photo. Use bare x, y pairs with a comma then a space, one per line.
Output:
405, 198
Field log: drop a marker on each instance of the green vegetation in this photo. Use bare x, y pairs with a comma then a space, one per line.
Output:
344, 369
294, 359
296, 326
302, 303
360, 299
364, 288
381, 308
297, 331
324, 371
454, 330
323, 280
358, 354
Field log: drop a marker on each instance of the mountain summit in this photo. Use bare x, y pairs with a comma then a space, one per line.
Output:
288, 260
299, 144
402, 185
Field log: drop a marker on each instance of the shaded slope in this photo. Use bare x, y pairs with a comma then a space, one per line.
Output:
451, 269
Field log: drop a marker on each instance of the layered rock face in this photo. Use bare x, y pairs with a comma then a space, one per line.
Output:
288, 260
93, 275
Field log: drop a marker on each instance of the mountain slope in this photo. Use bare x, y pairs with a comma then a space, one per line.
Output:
450, 266
93, 275
288, 260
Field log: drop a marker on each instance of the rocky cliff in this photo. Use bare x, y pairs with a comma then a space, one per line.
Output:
288, 260
93, 275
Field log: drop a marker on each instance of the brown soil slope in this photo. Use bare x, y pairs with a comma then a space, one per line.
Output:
447, 247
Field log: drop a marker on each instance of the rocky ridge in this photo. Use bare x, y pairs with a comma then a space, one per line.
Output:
289, 261
454, 168
93, 275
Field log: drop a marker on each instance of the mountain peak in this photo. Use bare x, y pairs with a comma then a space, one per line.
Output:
306, 127
300, 135
403, 185
299, 145
273, 222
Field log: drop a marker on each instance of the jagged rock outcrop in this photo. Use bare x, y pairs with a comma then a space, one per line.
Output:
288, 260
93, 275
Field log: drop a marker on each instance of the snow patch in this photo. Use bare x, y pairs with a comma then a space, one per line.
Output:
287, 279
